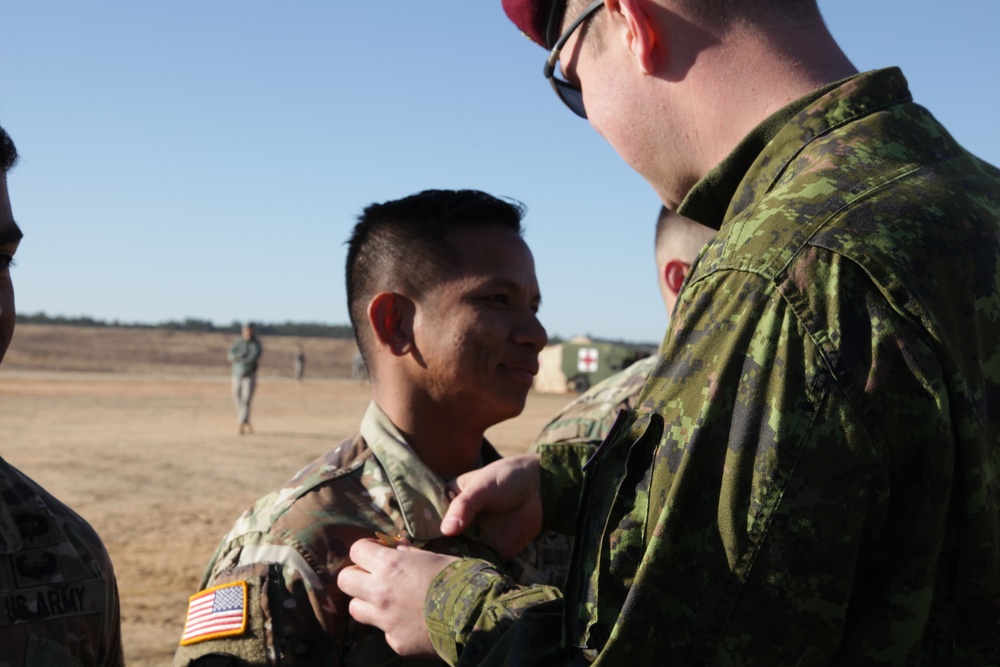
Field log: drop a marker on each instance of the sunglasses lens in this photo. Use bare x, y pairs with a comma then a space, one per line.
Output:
570, 96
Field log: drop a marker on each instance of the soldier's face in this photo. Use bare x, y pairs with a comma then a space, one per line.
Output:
477, 332
10, 238
597, 61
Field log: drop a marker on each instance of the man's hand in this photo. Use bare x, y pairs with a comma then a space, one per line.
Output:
388, 587
506, 497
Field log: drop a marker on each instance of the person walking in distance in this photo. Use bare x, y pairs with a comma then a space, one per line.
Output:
244, 355
299, 363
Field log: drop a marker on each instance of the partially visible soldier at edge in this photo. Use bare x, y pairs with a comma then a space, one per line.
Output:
812, 475
244, 355
443, 297
587, 420
589, 417
58, 594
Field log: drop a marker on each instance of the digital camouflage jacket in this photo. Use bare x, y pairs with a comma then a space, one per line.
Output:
812, 474
58, 595
281, 558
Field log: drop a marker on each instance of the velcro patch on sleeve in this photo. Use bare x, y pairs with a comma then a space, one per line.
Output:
220, 611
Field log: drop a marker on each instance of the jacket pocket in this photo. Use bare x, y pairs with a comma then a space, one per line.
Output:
611, 531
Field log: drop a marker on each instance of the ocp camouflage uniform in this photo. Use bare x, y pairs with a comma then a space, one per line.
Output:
812, 474
584, 422
58, 596
290, 546
590, 416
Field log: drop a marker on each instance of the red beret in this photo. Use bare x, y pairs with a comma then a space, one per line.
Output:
532, 16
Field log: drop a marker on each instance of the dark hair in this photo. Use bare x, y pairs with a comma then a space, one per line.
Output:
8, 153
403, 245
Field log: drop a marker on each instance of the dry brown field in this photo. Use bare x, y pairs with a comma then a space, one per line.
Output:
136, 431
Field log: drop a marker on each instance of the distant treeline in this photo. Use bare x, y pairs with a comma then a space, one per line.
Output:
302, 329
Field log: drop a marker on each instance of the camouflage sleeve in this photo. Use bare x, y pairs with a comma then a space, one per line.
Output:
471, 605
295, 613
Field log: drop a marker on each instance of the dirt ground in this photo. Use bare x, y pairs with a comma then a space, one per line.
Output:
154, 462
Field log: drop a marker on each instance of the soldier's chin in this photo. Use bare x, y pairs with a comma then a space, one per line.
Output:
517, 404
507, 407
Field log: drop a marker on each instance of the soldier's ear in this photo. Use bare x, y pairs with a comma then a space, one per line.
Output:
639, 31
674, 272
390, 316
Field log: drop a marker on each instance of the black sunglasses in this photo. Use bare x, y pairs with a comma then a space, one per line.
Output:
570, 94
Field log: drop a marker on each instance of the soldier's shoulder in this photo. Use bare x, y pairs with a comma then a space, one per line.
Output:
35, 507
336, 472
590, 416
623, 386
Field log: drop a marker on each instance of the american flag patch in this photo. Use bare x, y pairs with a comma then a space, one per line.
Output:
215, 612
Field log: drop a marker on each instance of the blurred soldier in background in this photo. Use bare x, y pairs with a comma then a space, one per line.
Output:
299, 363
244, 355
359, 369
58, 594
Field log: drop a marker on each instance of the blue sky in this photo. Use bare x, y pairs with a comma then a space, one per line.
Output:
207, 158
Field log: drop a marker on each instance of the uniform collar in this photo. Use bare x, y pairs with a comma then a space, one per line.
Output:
761, 156
421, 493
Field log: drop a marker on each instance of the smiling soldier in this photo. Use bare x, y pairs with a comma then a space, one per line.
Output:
443, 299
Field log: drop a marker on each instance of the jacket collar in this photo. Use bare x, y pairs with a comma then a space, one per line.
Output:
422, 494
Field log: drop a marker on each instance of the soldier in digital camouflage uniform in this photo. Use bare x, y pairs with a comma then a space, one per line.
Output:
587, 420
58, 596
443, 296
590, 416
811, 475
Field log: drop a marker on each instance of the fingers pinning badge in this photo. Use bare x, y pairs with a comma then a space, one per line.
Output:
400, 538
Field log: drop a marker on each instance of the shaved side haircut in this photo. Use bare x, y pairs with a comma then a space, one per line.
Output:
404, 246
679, 237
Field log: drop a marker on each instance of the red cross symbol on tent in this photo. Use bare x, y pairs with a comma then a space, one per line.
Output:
587, 360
